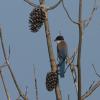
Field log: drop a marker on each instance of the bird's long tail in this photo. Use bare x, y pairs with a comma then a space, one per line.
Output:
62, 69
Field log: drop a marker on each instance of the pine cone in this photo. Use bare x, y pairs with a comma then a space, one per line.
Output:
36, 19
51, 80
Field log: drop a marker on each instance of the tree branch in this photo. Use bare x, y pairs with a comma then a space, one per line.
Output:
9, 67
4, 85
98, 75
68, 97
50, 50
18, 98
91, 84
68, 14
73, 69
69, 62
54, 6
71, 59
31, 3
36, 86
91, 90
2, 66
80, 48
87, 22
26, 91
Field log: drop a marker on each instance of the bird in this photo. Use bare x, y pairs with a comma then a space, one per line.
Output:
62, 53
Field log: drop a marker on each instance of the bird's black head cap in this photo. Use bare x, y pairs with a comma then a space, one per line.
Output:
59, 38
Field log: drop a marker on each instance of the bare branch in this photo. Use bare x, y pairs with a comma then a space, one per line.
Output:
91, 90
54, 6
73, 68
98, 75
31, 3
91, 85
9, 66
9, 52
80, 26
87, 22
26, 91
68, 97
2, 44
36, 87
18, 98
50, 51
71, 59
2, 66
68, 14
4, 85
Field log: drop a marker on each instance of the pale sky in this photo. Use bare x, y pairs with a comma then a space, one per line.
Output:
29, 48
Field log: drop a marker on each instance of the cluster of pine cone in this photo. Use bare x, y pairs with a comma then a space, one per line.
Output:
51, 80
36, 19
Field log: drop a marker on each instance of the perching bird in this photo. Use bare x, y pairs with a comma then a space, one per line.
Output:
61, 54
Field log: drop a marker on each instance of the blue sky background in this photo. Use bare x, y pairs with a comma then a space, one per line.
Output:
29, 48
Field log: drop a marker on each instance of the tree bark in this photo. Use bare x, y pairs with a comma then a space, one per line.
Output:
79, 49
50, 50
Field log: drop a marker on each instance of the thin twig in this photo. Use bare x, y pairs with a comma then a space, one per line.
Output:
75, 78
9, 52
54, 6
26, 91
72, 59
98, 75
18, 98
31, 3
72, 69
2, 66
86, 22
4, 85
91, 90
68, 97
9, 66
36, 86
68, 14
91, 85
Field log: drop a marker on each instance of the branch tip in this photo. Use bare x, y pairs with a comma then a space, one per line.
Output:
91, 90
54, 6
31, 3
68, 14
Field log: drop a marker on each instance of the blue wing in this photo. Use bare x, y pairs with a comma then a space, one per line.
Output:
62, 54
